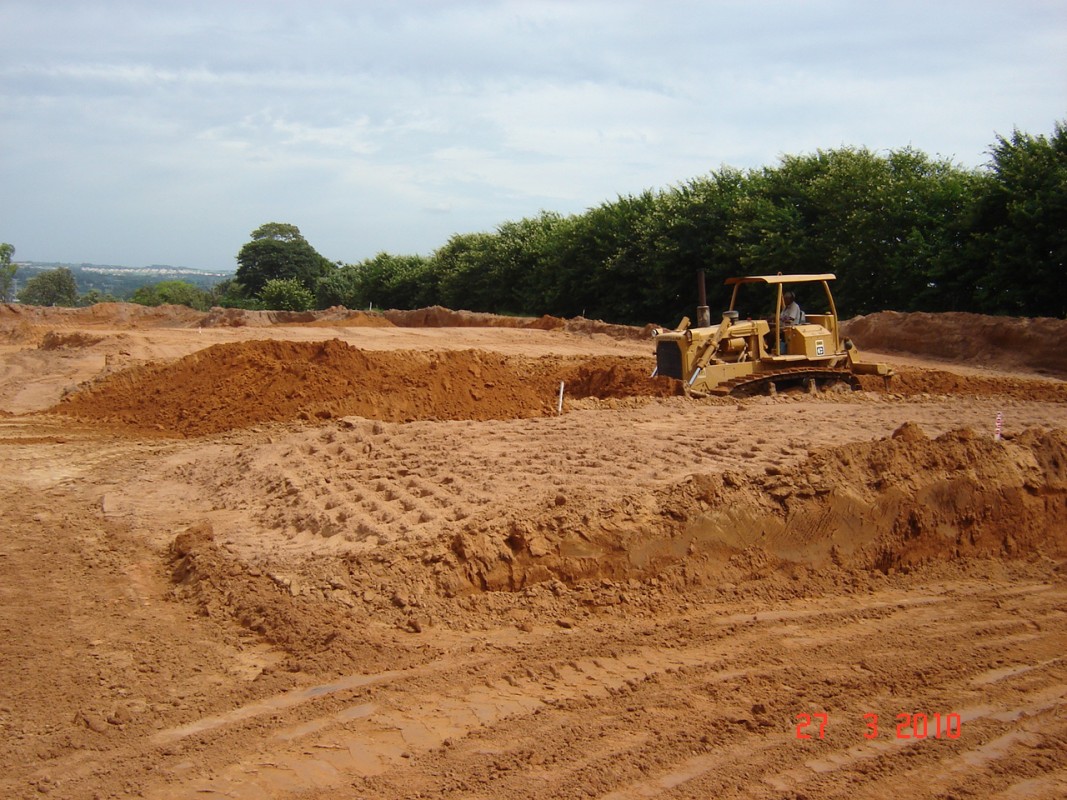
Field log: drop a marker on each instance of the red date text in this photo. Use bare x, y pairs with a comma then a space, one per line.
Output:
918, 725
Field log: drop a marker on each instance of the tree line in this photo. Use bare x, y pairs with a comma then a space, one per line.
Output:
901, 230
62, 286
59, 287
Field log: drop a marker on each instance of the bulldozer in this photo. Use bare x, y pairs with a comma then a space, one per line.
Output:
741, 356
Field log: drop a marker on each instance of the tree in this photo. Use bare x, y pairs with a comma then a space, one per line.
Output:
520, 252
901, 231
658, 244
94, 296
342, 287
231, 294
286, 294
1023, 224
278, 250
54, 287
602, 273
891, 227
7, 271
385, 281
279, 231
178, 293
462, 265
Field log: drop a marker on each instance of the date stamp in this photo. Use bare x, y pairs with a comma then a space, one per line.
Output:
816, 725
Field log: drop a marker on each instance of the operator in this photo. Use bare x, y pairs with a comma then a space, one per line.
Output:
791, 315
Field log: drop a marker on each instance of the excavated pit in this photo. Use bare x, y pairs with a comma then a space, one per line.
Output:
840, 516
844, 519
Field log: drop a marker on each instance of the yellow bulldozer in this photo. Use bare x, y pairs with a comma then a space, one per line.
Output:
741, 356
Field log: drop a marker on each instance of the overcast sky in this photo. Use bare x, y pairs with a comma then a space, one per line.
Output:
136, 133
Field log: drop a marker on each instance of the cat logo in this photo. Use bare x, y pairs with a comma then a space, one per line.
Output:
820, 348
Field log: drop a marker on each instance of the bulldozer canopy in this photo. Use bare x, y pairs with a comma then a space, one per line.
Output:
775, 279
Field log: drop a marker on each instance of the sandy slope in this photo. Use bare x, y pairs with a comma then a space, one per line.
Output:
242, 572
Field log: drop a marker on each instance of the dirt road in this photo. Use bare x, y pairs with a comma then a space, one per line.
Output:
210, 591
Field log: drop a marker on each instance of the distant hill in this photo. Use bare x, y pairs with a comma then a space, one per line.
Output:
121, 281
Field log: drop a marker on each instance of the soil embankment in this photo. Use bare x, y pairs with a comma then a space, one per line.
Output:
1011, 343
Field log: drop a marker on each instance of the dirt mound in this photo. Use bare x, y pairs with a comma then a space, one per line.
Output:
137, 316
1005, 342
64, 341
439, 317
604, 378
14, 316
270, 604
914, 381
101, 315
429, 317
238, 385
885, 505
18, 333
331, 317
341, 317
308, 610
593, 326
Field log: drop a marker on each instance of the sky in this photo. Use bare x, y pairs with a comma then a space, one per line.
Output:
139, 132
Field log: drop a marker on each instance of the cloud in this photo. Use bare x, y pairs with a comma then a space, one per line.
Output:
383, 125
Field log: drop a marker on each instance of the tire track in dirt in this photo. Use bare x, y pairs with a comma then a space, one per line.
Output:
425, 721
693, 772
548, 681
83, 646
385, 733
696, 776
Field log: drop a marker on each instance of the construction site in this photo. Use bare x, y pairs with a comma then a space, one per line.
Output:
441, 554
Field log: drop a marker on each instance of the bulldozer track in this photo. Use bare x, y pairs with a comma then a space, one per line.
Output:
751, 384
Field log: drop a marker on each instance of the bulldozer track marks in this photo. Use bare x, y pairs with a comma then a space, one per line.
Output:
512, 712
